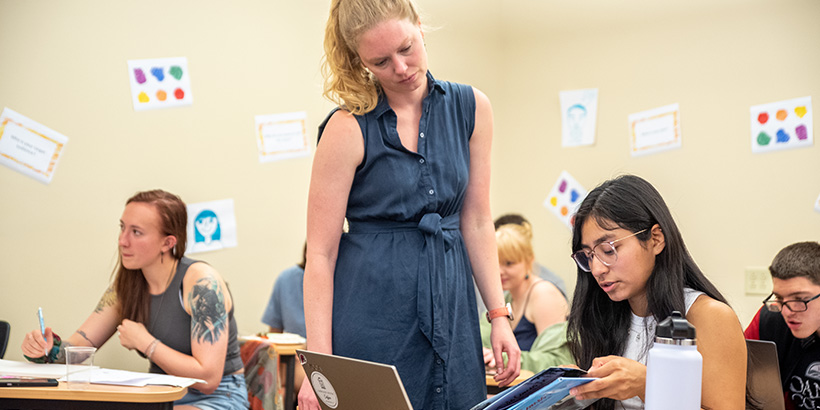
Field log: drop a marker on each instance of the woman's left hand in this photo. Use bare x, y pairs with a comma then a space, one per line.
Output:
133, 335
503, 340
618, 378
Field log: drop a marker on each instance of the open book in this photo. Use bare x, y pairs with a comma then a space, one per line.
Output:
547, 389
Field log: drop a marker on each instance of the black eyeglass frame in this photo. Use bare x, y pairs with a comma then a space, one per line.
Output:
575, 255
769, 304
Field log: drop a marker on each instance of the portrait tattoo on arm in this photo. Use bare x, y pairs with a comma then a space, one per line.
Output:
208, 316
109, 298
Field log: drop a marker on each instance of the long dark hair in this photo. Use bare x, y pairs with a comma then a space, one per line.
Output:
599, 326
132, 289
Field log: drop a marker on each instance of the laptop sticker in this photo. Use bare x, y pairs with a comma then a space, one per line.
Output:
324, 390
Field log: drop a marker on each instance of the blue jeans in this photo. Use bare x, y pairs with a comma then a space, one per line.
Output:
231, 394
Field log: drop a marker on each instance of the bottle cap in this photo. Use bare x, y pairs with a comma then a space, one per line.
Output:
675, 329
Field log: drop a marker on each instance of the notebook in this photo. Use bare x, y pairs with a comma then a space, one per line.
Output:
763, 374
342, 383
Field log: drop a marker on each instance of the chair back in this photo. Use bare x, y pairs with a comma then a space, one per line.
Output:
5, 329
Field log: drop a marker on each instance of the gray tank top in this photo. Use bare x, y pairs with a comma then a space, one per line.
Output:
173, 324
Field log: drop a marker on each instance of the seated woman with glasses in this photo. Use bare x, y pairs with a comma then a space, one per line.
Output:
792, 321
633, 271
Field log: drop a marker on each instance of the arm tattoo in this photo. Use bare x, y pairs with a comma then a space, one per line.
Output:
81, 333
208, 316
109, 298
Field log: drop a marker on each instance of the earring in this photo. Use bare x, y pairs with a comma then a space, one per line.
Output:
527, 276
161, 254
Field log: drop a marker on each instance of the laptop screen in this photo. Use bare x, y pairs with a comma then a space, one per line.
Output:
342, 383
763, 375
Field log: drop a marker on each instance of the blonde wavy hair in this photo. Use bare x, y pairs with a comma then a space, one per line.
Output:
347, 82
514, 242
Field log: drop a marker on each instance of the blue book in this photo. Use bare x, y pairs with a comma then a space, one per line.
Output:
541, 391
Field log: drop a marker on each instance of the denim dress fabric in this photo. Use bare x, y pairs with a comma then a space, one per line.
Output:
403, 287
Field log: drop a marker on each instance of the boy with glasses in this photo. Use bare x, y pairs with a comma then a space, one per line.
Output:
790, 317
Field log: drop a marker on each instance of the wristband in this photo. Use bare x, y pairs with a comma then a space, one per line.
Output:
151, 347
506, 310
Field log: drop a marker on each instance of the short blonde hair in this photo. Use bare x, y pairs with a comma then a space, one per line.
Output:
515, 242
347, 82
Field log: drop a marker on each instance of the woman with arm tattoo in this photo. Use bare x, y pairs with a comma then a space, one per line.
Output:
175, 311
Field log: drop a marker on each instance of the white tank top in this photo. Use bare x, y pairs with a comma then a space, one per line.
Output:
640, 340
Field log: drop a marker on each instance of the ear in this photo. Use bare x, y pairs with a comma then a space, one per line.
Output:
170, 242
421, 29
657, 240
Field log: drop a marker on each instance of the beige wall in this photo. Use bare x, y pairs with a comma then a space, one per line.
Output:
64, 64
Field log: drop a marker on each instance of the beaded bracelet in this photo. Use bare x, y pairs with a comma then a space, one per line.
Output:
52, 355
150, 350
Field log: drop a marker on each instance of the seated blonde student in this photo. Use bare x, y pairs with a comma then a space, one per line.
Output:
790, 317
539, 308
175, 311
633, 271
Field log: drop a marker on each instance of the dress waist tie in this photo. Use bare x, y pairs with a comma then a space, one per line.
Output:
431, 295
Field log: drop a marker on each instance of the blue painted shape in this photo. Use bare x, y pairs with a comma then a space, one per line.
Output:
207, 227
573, 196
782, 136
157, 72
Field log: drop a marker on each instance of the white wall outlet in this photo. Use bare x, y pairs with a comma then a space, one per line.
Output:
758, 281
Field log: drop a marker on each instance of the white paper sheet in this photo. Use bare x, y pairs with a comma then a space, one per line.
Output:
655, 130
98, 375
565, 198
282, 136
49, 370
579, 113
782, 125
211, 226
29, 147
160, 83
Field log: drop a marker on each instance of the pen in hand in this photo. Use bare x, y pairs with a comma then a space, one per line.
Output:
42, 327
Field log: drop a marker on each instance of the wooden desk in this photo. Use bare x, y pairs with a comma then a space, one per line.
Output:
492, 385
96, 397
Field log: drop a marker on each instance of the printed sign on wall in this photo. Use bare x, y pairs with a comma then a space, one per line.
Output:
782, 125
565, 198
160, 83
211, 226
655, 130
282, 136
28, 147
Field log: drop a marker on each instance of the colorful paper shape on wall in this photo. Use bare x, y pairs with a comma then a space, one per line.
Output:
579, 112
565, 198
782, 125
211, 226
282, 136
160, 83
28, 147
655, 130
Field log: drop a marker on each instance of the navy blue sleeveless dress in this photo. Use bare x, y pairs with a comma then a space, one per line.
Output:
403, 291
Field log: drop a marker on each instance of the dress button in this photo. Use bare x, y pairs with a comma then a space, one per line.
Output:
438, 389
421, 135
421, 160
431, 192
438, 361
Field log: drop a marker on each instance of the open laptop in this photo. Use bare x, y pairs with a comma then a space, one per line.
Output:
763, 374
342, 383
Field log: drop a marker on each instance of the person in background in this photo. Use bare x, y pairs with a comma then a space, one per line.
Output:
405, 159
633, 271
285, 311
539, 308
791, 319
540, 270
174, 311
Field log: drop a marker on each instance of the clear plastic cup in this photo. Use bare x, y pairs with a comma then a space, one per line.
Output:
79, 362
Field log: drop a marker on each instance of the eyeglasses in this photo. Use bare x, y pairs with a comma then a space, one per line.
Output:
604, 251
796, 305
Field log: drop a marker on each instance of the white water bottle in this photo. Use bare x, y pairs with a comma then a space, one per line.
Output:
674, 367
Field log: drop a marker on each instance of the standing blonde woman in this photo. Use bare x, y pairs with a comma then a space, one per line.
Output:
405, 160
